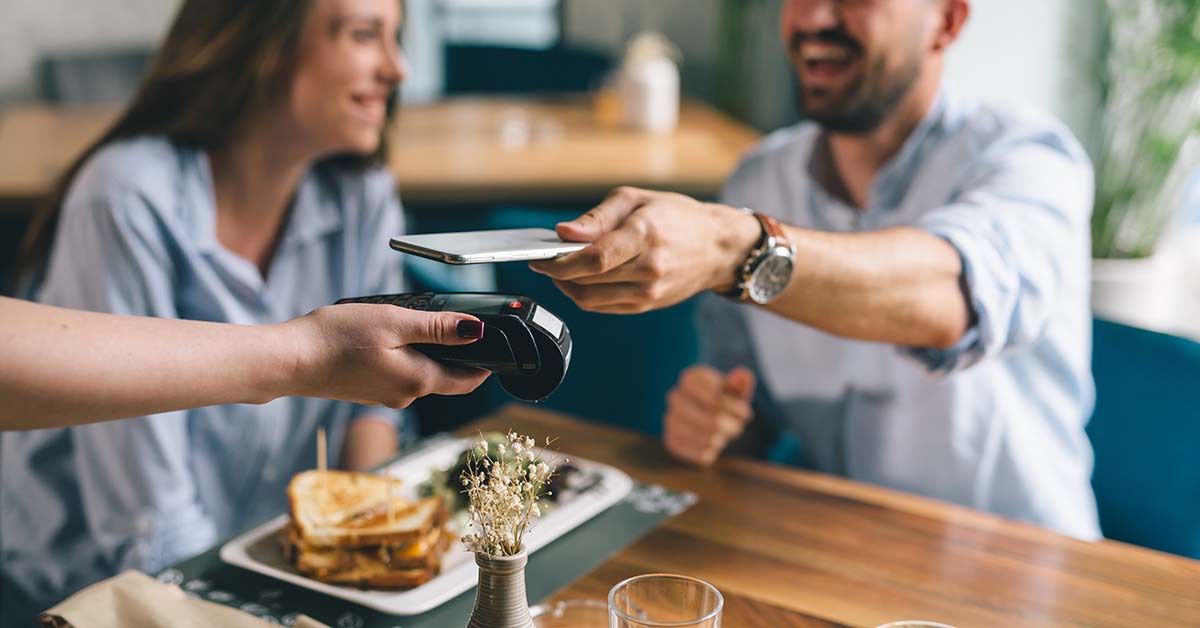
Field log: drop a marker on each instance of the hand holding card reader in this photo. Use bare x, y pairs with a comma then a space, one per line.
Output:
524, 344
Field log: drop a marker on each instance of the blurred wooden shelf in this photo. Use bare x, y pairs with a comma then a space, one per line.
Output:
462, 151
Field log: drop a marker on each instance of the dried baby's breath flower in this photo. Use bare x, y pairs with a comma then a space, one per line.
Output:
503, 490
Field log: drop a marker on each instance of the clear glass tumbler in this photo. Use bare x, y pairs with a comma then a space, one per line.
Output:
662, 599
914, 623
571, 614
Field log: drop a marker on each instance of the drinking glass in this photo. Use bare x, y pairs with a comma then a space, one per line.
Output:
914, 623
660, 599
571, 614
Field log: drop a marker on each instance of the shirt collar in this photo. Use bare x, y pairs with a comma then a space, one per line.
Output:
314, 213
893, 178
891, 184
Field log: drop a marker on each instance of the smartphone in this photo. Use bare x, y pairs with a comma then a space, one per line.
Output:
483, 247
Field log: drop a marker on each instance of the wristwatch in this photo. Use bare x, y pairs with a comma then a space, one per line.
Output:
768, 269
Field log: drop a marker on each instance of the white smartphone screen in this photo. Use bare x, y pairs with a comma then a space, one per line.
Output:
483, 247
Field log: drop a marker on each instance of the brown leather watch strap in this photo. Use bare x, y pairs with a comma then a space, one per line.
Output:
771, 231
774, 229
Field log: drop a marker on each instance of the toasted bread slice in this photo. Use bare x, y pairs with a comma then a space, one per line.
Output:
340, 509
373, 567
332, 498
378, 577
424, 554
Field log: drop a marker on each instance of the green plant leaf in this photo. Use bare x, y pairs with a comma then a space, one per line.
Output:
1149, 79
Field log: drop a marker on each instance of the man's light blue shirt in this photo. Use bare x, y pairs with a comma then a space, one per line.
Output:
995, 423
137, 236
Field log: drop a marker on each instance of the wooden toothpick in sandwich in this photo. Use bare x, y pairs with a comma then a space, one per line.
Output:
391, 498
320, 449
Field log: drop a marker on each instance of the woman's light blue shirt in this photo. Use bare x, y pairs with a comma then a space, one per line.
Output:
137, 236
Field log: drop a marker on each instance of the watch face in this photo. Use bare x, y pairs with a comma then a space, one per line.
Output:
770, 278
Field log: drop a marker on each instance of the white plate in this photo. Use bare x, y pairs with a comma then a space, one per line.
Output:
258, 550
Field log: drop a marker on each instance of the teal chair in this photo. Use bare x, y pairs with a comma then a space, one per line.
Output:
1146, 435
622, 366
93, 76
472, 69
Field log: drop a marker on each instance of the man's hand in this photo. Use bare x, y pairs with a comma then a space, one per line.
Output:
650, 250
705, 411
358, 352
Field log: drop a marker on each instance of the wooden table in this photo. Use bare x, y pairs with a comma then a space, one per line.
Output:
456, 151
792, 548
37, 143
521, 150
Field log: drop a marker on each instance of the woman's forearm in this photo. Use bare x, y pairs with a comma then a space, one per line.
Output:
64, 367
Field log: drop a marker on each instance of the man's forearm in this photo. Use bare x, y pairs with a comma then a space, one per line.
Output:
899, 285
651, 250
66, 367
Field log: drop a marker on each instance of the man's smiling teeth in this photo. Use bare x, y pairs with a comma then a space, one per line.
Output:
825, 54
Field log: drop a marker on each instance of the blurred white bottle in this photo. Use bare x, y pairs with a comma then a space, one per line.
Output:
649, 83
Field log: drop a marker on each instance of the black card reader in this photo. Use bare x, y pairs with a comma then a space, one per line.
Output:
524, 344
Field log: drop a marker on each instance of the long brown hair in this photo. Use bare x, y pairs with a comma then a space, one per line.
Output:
221, 59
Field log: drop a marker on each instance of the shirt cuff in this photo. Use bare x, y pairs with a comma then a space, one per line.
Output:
989, 286
964, 353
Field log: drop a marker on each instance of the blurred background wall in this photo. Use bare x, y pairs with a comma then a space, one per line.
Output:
31, 29
1033, 51
1039, 52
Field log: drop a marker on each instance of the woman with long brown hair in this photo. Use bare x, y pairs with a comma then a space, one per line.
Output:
240, 186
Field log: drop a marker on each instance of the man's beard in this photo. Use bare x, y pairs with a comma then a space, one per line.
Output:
867, 101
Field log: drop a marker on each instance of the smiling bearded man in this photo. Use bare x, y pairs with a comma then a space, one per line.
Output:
907, 294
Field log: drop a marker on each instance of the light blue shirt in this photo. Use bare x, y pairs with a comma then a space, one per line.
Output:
997, 422
137, 236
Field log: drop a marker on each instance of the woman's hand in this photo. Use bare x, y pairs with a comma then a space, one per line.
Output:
359, 352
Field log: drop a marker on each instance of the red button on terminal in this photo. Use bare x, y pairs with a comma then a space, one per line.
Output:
516, 305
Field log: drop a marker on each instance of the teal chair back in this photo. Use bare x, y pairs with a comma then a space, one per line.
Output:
486, 69
96, 76
1146, 435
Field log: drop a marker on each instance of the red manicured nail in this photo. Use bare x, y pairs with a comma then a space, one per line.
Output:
470, 330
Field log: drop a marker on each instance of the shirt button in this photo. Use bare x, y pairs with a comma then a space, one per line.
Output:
269, 473
144, 526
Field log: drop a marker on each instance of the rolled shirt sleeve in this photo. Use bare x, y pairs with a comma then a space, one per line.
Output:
139, 496
1019, 225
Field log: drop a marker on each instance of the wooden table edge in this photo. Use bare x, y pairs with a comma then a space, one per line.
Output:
860, 491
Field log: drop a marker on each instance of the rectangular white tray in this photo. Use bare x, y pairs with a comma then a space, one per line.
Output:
258, 550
